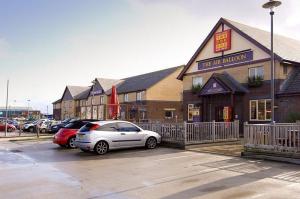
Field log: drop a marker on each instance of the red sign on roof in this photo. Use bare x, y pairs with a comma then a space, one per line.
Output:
222, 41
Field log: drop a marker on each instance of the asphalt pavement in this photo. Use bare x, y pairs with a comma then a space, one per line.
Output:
40, 169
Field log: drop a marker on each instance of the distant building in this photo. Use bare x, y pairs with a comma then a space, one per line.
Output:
155, 96
20, 112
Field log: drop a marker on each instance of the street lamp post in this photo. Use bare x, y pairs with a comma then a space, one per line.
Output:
271, 4
28, 101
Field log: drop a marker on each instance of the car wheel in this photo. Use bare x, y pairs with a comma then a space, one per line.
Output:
71, 143
43, 130
101, 148
31, 129
151, 143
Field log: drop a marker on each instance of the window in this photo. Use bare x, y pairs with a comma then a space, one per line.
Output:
139, 96
285, 69
123, 126
108, 127
260, 109
194, 112
197, 81
256, 72
101, 99
168, 114
126, 97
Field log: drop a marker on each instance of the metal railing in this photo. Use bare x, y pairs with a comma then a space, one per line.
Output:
273, 137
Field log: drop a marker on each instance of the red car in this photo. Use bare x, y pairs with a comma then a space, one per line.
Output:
65, 137
10, 128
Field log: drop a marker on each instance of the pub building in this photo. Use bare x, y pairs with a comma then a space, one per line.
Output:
228, 77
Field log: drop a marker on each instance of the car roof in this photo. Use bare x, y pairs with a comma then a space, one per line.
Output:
110, 121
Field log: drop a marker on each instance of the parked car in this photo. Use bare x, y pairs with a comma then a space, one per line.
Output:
56, 127
103, 136
65, 137
29, 126
15, 123
10, 127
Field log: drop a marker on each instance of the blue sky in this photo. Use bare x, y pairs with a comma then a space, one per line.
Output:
47, 44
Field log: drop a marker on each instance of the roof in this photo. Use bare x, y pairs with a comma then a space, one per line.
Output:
107, 84
57, 101
84, 94
144, 81
228, 81
292, 83
285, 49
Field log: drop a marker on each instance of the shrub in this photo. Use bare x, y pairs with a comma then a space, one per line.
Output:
255, 81
196, 88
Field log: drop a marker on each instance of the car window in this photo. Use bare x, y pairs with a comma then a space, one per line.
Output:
108, 127
123, 126
74, 125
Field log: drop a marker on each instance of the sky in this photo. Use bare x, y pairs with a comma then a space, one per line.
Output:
48, 44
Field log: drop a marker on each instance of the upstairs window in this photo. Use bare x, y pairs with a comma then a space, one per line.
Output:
126, 99
256, 72
139, 96
197, 81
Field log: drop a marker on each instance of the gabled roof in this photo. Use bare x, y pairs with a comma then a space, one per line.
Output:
57, 101
107, 84
285, 49
226, 81
292, 83
144, 81
76, 92
84, 94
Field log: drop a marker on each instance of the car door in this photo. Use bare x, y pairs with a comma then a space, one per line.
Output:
130, 135
110, 133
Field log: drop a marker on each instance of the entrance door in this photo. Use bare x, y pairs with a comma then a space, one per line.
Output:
219, 114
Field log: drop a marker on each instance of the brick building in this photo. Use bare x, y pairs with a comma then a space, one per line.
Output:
229, 75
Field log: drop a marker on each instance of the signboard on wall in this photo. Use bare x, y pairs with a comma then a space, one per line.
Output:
222, 41
226, 60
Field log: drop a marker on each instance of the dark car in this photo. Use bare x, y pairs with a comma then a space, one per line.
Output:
67, 134
55, 128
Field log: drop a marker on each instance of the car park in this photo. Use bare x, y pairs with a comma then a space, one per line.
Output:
65, 137
103, 136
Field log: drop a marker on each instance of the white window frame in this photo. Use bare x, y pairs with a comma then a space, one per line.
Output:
255, 71
172, 114
101, 99
265, 107
198, 83
126, 97
139, 96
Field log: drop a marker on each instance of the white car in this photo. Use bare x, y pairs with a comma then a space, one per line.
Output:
103, 136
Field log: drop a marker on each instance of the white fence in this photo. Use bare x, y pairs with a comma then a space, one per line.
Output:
272, 137
195, 133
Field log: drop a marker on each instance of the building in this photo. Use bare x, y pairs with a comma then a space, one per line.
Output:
155, 96
57, 109
70, 106
93, 105
20, 112
228, 77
